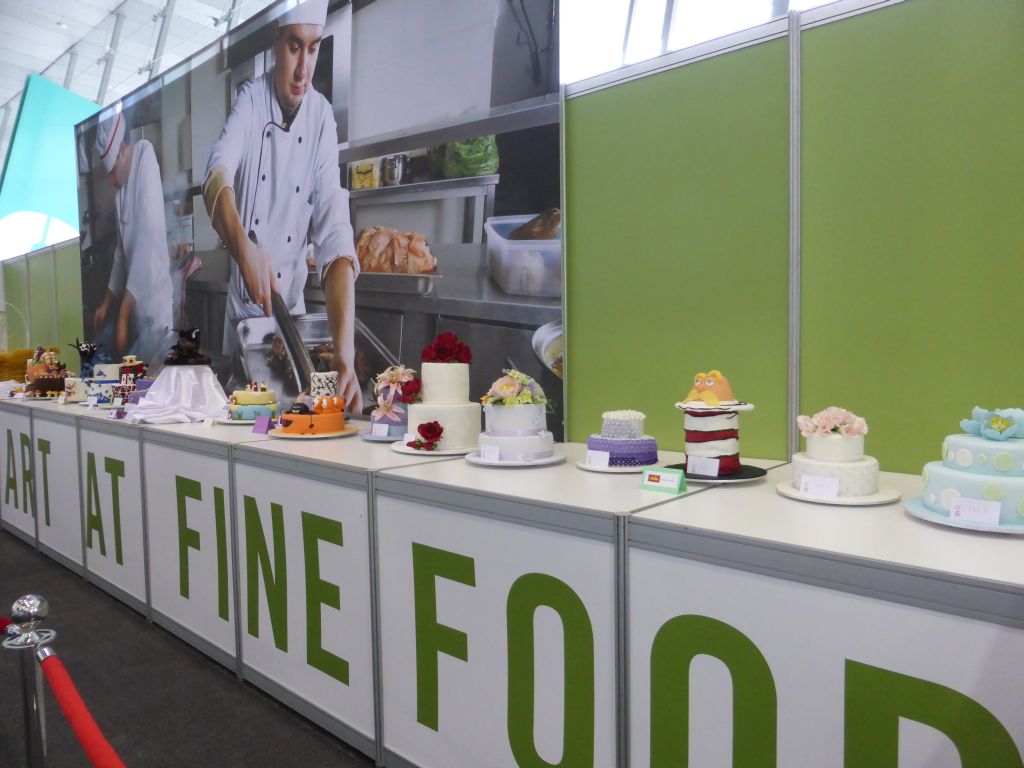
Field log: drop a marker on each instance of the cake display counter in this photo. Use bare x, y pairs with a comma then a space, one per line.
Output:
490, 579
839, 621
17, 505
191, 532
305, 576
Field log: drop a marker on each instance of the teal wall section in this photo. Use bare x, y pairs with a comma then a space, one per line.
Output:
913, 225
39, 188
677, 244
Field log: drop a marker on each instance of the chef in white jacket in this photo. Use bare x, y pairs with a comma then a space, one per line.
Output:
272, 180
138, 295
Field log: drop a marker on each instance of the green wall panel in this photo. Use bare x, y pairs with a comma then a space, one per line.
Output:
42, 298
677, 244
16, 298
913, 219
69, 298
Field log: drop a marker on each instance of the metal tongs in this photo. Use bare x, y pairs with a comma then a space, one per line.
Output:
293, 342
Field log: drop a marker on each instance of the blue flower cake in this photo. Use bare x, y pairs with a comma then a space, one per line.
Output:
622, 437
985, 463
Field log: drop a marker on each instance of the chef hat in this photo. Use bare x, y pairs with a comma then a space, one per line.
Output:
307, 12
109, 136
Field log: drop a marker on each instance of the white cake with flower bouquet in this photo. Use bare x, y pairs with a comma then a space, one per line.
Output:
444, 419
835, 449
515, 415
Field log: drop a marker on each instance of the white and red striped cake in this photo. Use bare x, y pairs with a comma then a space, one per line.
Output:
712, 424
714, 435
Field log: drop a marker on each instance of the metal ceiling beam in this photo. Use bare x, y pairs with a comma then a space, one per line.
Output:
108, 58
165, 16
69, 75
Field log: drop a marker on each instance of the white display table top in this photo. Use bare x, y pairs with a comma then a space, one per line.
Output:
883, 533
217, 433
348, 452
564, 485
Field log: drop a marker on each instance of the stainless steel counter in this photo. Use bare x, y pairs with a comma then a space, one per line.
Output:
464, 290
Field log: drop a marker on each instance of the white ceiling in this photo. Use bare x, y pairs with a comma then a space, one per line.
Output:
38, 38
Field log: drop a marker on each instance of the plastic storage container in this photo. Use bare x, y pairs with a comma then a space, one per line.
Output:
523, 267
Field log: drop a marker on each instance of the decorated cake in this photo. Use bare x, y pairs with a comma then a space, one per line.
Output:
141, 387
253, 401
87, 351
106, 372
445, 397
622, 438
712, 425
186, 350
74, 390
835, 449
315, 416
323, 384
515, 414
980, 480
44, 374
396, 388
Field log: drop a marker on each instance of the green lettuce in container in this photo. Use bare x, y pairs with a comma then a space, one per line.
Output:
471, 157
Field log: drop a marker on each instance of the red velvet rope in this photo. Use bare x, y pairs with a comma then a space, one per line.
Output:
96, 747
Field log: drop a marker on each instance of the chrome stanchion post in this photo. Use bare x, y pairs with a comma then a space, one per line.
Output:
24, 635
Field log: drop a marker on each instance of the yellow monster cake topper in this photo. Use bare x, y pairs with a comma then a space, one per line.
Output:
711, 388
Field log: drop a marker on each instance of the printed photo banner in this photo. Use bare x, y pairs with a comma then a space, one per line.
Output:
294, 198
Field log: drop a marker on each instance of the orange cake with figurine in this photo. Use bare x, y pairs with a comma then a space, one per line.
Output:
316, 416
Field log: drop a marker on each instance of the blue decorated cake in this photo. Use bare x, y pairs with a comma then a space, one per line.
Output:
622, 437
984, 464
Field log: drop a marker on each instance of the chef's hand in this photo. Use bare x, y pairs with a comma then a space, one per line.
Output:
121, 337
102, 311
258, 274
348, 383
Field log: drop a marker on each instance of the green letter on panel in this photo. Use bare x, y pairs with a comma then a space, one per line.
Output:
876, 699
93, 514
43, 446
220, 520
754, 702
528, 593
188, 538
275, 580
11, 473
115, 468
432, 638
319, 592
26, 475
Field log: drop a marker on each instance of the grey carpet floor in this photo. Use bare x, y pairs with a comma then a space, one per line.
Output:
158, 701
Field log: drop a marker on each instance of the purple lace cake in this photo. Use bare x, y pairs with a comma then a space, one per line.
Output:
622, 437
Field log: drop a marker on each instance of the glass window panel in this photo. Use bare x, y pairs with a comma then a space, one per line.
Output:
645, 30
591, 36
696, 21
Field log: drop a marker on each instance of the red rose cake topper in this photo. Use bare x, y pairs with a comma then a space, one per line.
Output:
446, 348
430, 434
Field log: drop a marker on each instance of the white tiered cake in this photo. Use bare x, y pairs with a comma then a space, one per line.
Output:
835, 450
446, 401
515, 411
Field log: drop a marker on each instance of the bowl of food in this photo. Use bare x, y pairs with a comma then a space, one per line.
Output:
549, 346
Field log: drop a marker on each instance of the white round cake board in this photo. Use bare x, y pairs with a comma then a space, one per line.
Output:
555, 458
235, 422
379, 438
348, 431
916, 507
882, 496
614, 470
37, 399
401, 447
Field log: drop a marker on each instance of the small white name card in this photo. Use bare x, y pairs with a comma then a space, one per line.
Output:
490, 453
975, 511
379, 430
598, 459
822, 487
701, 465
